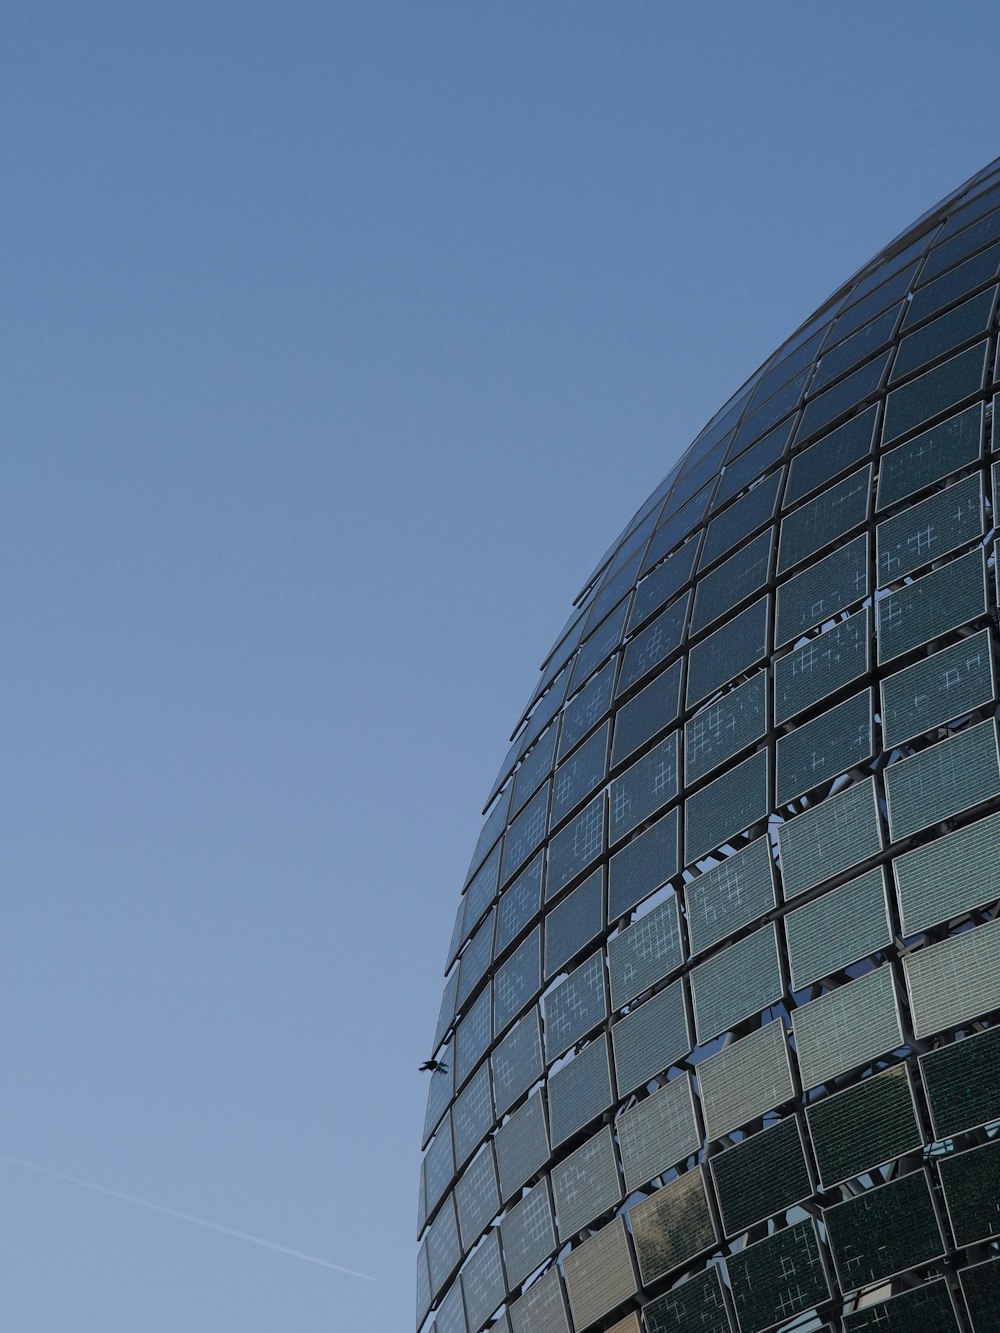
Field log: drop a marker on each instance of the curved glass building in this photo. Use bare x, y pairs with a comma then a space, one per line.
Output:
718, 1046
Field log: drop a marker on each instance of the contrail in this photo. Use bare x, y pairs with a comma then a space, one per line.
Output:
184, 1217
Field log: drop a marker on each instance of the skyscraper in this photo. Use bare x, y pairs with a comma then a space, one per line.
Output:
718, 1042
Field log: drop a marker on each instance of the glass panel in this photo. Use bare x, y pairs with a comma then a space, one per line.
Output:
762, 418
884, 1231
847, 1027
654, 644
833, 931
932, 605
574, 847
599, 1274
658, 1133
963, 1083
541, 1309
443, 1247
439, 1094
735, 983
577, 776
602, 642
933, 392
937, 689
725, 727
517, 1061
926, 1309
867, 340
645, 952
734, 580
981, 1287
761, 1176
579, 1091
733, 648
727, 806
676, 528
944, 879
972, 1189
522, 1145
575, 1006
830, 838
965, 278
585, 1184
857, 1130
472, 1114
777, 1278
822, 520
836, 402
519, 903
672, 1225
695, 1307
833, 454
477, 1196
664, 583
526, 832
942, 334
822, 590
929, 457
966, 242
954, 981
651, 1038
535, 768
574, 923
475, 960
482, 1283
820, 750
648, 785
733, 526
652, 710
750, 465
738, 890
926, 531
861, 312
438, 1166
744, 1080
821, 667
528, 1235
942, 780
446, 1013
472, 1036
518, 981
587, 708
643, 865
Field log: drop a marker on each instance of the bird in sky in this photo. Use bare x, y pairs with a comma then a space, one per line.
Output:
434, 1066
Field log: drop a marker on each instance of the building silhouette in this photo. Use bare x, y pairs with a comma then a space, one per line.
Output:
718, 1043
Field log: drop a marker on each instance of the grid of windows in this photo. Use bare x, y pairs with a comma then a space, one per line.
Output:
732, 917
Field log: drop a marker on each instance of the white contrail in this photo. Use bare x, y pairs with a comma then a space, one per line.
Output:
184, 1217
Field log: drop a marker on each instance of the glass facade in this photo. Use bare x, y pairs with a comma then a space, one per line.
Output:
718, 1042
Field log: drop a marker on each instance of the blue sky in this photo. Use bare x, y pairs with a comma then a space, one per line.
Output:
340, 341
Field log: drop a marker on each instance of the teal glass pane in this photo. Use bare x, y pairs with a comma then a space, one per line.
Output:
830, 456
571, 925
753, 463
847, 1027
744, 1080
761, 1177
648, 785
955, 980
952, 875
652, 710
926, 531
643, 865
777, 1278
963, 1083
762, 418
935, 391
645, 952
664, 583
819, 751
517, 1061
527, 1234
725, 727
937, 689
599, 1274
727, 652
869, 339
931, 606
884, 1231
926, 1309
966, 242
472, 1036
731, 894
579, 1091
577, 776
526, 832
654, 644
585, 1184
438, 1166
730, 583
965, 278
943, 779
472, 1113
586, 709
830, 838
971, 1183
575, 1006
477, 1196
734, 525
981, 1288
954, 444
600, 644
818, 522
822, 590
575, 846
657, 1133
518, 903
534, 769
837, 929
695, 1307
855, 1131
672, 1225
542, 1308
726, 807
821, 666
884, 295
735, 983
518, 981
851, 392
482, 1284
522, 1145
967, 320
651, 1038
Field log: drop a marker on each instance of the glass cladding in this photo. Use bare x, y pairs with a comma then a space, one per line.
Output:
718, 1045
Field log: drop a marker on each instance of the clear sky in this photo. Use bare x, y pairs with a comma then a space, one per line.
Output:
340, 340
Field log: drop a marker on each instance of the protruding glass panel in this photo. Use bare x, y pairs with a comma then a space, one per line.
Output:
821, 666
932, 606
644, 788
439, 1094
943, 780
654, 644
963, 1083
518, 981
778, 1277
938, 525
586, 709
966, 321
870, 338
472, 1036
542, 1308
525, 834
830, 838
971, 1183
884, 1231
477, 1196
517, 1061
697, 1306
535, 769
730, 895
643, 865
651, 1038
955, 980
675, 528
965, 243
652, 710
833, 931
763, 417
734, 525
981, 1288
663, 584
940, 293
727, 806
932, 456
571, 925
735, 983
522, 1145
601, 644
475, 959
847, 1027
658, 1132
727, 652
585, 1184
817, 523
952, 875
580, 774
519, 902
725, 727
761, 1177
732, 582
439, 1165
576, 846
444, 1250
528, 1235
925, 1309
745, 1079
579, 1091
937, 689
857, 1130
753, 463
820, 750
645, 952
852, 392
599, 1274
472, 1113
859, 314
482, 1282
934, 392
575, 1006
672, 1225
830, 456
822, 590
